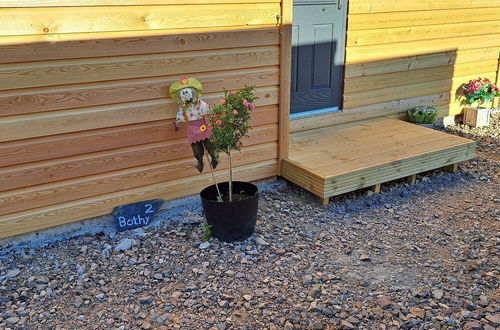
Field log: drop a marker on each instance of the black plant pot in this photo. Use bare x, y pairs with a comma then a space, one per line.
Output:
231, 221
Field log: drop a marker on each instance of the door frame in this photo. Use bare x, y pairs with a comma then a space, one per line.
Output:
344, 7
285, 31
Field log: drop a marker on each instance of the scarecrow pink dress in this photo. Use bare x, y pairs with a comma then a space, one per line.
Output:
198, 128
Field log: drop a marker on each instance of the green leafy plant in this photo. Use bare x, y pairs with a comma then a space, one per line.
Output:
207, 233
480, 91
422, 114
230, 121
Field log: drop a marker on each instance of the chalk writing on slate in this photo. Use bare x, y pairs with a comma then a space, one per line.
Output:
136, 214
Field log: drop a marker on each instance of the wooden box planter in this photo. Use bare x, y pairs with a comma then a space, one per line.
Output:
477, 117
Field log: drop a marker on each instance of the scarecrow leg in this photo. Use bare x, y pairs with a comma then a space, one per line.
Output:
211, 150
198, 152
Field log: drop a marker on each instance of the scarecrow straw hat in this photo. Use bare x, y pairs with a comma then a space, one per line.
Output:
185, 83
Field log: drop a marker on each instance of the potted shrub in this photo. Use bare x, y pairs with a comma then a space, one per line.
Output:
475, 93
423, 115
231, 207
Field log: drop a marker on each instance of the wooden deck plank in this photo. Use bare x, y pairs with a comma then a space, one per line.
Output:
393, 155
343, 144
396, 170
398, 147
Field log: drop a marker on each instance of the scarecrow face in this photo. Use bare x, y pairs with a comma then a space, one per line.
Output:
187, 95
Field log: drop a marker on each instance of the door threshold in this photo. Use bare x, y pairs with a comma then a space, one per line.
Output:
314, 112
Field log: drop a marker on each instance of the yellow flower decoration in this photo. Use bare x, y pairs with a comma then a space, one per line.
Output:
203, 128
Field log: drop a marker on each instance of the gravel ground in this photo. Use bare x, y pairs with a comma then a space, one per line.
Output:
420, 256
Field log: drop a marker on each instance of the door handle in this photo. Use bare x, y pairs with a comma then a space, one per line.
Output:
339, 3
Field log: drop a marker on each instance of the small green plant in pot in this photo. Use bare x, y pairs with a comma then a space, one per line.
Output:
231, 207
422, 114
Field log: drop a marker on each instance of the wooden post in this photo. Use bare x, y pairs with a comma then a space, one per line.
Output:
285, 79
496, 100
411, 179
376, 188
325, 200
453, 168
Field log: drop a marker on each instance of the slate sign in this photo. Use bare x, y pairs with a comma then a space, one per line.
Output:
136, 214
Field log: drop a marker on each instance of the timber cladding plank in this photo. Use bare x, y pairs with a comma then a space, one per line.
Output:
50, 73
31, 100
370, 53
408, 77
426, 17
26, 21
411, 90
384, 6
442, 58
74, 3
85, 45
75, 143
58, 122
18, 176
68, 190
54, 215
419, 33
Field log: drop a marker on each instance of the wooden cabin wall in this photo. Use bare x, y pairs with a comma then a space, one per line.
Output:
86, 123
405, 53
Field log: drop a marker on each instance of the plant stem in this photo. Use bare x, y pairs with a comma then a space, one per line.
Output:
230, 176
213, 176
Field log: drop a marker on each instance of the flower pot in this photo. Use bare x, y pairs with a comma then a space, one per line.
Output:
477, 117
231, 221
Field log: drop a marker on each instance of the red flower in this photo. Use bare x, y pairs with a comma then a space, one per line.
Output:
235, 112
218, 122
222, 101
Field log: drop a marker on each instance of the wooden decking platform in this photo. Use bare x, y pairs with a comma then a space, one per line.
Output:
334, 160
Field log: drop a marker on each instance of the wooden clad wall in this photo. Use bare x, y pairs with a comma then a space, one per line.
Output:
85, 118
418, 52
405, 53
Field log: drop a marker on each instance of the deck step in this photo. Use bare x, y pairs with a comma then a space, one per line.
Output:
338, 159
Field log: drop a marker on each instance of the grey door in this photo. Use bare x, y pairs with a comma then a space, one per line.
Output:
318, 35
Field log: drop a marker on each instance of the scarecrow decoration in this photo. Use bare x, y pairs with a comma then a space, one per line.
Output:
193, 110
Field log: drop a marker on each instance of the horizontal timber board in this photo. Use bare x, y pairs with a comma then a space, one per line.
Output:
18, 176
85, 45
388, 80
393, 156
397, 170
368, 97
31, 100
384, 6
301, 177
364, 144
26, 21
58, 122
443, 58
68, 190
416, 18
76, 143
50, 216
74, 3
390, 108
50, 73
370, 53
419, 33
400, 142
